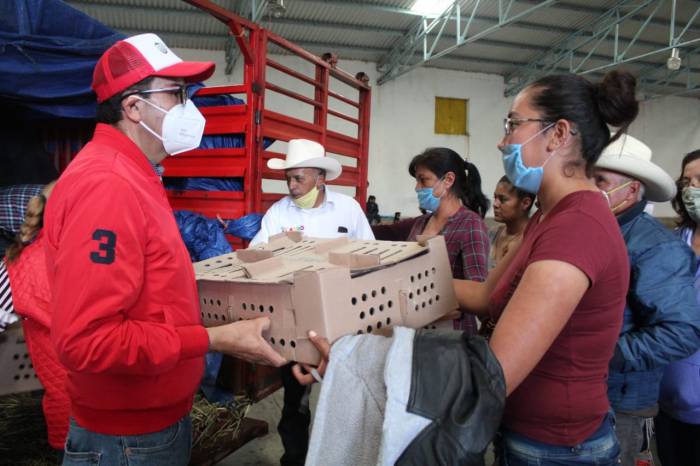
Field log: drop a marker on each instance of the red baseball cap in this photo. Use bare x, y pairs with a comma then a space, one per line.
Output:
138, 57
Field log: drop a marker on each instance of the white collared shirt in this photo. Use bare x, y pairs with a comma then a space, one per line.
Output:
339, 215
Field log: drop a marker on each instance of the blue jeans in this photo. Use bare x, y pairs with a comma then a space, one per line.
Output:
601, 448
169, 447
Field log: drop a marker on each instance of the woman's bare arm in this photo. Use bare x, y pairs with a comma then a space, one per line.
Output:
542, 304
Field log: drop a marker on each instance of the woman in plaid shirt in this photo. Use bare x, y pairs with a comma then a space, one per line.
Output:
449, 190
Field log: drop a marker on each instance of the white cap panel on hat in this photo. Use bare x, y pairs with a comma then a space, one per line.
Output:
154, 50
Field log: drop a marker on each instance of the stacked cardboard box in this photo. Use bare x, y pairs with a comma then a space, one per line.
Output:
335, 287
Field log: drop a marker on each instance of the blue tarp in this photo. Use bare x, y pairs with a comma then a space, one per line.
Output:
48, 51
204, 237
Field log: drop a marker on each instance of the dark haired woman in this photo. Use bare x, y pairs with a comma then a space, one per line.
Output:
678, 421
557, 300
449, 190
511, 208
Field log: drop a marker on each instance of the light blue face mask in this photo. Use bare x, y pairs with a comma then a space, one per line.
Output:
529, 179
427, 200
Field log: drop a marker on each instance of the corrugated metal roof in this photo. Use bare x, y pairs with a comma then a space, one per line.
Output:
368, 29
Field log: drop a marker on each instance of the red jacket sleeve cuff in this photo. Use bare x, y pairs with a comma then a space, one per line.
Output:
194, 341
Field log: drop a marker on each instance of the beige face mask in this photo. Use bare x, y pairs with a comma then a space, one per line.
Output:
608, 193
308, 200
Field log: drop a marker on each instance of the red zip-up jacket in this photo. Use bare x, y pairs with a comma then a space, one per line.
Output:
126, 322
31, 296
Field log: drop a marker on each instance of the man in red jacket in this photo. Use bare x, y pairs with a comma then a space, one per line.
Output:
126, 318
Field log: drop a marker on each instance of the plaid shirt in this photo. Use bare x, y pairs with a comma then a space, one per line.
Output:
467, 242
13, 204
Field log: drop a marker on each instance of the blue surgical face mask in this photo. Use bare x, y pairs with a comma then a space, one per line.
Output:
427, 200
529, 179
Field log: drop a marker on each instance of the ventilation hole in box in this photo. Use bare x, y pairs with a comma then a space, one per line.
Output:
240, 318
224, 317
282, 342
216, 316
371, 311
293, 344
204, 300
261, 308
26, 376
419, 275
425, 288
244, 306
16, 356
211, 301
31, 366
218, 302
202, 314
360, 332
271, 309
381, 307
388, 320
410, 295
417, 307
426, 274
25, 356
379, 324
423, 305
434, 271
362, 315
412, 278
437, 297
432, 285
383, 290
16, 377
364, 297
272, 340
252, 307
209, 315
353, 300
369, 329
389, 304
418, 292
21, 366
374, 293
430, 301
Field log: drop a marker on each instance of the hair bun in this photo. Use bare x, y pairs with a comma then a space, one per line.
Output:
616, 99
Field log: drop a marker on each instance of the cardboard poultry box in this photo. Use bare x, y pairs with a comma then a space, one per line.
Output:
335, 287
15, 364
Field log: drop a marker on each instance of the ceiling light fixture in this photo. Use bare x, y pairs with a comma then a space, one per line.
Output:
674, 61
276, 8
431, 8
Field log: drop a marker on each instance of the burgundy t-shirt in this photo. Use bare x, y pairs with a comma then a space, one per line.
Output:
563, 400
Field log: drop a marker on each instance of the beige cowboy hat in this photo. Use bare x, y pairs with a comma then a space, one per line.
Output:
302, 153
632, 157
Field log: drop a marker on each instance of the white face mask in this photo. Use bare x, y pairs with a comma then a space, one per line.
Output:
183, 126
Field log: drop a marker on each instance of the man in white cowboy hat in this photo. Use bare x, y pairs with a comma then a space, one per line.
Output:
311, 207
126, 321
316, 211
662, 318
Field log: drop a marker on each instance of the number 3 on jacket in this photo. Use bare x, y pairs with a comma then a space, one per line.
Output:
107, 241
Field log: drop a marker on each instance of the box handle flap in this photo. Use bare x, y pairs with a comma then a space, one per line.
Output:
253, 255
329, 245
294, 236
424, 239
354, 261
263, 267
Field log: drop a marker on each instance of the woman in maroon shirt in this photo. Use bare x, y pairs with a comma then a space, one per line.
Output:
558, 298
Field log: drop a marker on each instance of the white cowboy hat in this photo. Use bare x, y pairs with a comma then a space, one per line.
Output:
632, 157
302, 153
